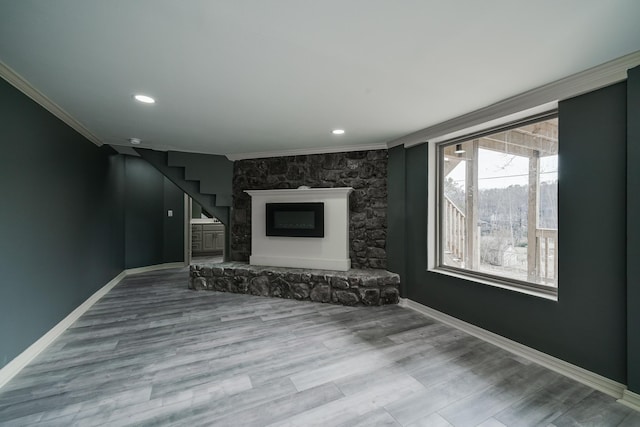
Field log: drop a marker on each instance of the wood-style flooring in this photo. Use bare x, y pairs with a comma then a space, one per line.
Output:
151, 352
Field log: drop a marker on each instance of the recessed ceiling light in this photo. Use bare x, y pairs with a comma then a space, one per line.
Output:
144, 98
135, 141
337, 131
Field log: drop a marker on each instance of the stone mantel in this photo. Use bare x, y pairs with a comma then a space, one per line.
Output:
330, 252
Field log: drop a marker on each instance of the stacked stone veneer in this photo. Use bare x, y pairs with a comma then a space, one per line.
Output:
353, 287
365, 171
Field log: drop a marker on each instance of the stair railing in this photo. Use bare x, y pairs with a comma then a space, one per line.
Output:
454, 229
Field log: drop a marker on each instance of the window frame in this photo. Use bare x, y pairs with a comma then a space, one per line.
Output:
437, 264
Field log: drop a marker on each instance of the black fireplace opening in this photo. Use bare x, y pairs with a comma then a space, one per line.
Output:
295, 219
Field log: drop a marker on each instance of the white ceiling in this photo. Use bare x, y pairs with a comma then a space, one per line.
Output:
249, 76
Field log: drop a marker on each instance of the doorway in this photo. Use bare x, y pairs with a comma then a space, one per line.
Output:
204, 235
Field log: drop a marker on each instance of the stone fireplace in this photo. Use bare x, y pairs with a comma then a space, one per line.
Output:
364, 171
311, 268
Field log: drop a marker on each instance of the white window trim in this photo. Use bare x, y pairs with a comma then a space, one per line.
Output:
501, 121
469, 276
433, 213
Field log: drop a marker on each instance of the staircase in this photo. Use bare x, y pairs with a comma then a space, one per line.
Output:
206, 178
214, 173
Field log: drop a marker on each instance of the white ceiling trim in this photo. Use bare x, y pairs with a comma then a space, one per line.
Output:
306, 151
25, 87
568, 87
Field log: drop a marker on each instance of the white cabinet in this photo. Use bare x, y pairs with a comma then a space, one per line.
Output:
196, 238
207, 238
218, 242
208, 241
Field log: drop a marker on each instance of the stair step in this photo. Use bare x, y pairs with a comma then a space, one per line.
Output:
210, 202
212, 173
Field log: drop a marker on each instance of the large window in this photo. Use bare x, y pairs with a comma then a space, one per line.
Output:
498, 205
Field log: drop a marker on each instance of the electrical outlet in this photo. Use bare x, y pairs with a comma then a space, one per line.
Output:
169, 213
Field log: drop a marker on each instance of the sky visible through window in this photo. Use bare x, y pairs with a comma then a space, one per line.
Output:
501, 170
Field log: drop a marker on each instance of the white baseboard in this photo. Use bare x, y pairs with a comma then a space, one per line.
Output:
591, 379
630, 399
148, 268
20, 361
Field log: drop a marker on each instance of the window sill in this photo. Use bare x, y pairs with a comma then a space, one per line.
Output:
551, 294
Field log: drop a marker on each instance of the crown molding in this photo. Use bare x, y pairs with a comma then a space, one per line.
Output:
576, 84
25, 87
306, 151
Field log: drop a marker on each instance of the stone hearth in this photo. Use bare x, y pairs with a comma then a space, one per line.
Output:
353, 287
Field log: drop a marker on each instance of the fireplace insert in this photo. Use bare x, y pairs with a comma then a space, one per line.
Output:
295, 219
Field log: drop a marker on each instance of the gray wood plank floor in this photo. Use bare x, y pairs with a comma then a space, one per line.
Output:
151, 352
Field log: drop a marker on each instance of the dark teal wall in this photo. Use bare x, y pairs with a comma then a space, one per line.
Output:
73, 217
633, 229
396, 213
416, 217
592, 228
587, 326
196, 210
144, 221
151, 237
61, 222
173, 227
